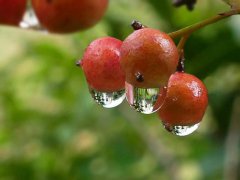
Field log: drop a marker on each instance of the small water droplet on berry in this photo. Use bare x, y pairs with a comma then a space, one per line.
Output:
181, 130
108, 99
145, 100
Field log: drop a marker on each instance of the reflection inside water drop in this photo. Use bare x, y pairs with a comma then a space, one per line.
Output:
145, 100
30, 21
181, 130
108, 99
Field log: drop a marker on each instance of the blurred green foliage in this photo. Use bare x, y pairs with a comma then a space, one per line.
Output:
51, 128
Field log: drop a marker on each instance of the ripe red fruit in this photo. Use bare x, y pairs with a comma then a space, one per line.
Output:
148, 58
101, 65
65, 16
11, 11
186, 101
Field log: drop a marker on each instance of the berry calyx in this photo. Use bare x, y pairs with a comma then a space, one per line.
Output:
66, 16
101, 65
148, 58
12, 11
186, 101
136, 25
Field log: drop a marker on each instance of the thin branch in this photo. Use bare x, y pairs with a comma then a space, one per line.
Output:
190, 29
182, 43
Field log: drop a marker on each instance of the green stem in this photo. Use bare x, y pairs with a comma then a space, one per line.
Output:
182, 42
190, 29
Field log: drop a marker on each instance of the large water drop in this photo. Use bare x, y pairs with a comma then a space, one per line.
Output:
181, 130
30, 21
145, 100
108, 99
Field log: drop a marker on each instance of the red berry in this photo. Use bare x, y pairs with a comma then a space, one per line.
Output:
148, 58
65, 16
186, 101
11, 11
101, 65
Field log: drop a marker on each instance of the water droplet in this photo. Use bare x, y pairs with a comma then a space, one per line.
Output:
145, 100
181, 130
108, 99
30, 21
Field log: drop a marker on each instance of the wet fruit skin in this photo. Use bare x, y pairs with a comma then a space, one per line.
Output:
151, 54
186, 100
101, 65
66, 16
11, 11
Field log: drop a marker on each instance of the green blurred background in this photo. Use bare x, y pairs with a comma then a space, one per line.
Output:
50, 128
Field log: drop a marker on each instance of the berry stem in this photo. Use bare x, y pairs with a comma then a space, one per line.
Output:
182, 43
183, 40
192, 28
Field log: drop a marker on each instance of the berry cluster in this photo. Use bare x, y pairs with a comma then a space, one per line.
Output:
61, 16
143, 68
147, 68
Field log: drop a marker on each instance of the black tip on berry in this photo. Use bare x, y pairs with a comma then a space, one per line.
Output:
181, 66
136, 25
168, 127
78, 63
139, 77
